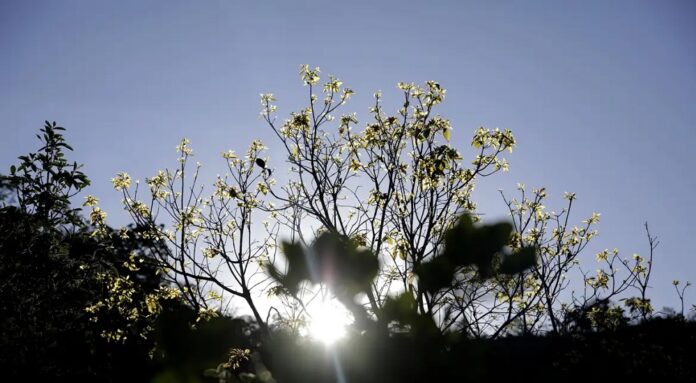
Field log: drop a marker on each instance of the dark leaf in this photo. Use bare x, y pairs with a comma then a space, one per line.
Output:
435, 274
518, 262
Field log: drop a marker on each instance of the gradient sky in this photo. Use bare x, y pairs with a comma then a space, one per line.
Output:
600, 94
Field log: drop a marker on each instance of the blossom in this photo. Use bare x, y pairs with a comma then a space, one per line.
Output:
593, 219
309, 76
90, 200
97, 216
602, 255
183, 147
229, 155
121, 181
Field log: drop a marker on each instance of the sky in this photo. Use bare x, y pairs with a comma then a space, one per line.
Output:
599, 94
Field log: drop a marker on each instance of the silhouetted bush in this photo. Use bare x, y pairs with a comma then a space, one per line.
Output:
81, 300
51, 268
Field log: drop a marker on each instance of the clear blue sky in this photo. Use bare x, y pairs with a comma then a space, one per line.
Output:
600, 94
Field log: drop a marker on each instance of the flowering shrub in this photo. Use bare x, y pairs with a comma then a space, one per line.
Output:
394, 188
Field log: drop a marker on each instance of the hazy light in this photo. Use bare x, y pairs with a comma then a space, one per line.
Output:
328, 321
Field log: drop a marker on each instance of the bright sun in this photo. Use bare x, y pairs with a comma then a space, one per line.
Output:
328, 322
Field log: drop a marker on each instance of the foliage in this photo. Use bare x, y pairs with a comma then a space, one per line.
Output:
204, 279
53, 268
44, 182
381, 219
395, 189
183, 353
418, 183
414, 349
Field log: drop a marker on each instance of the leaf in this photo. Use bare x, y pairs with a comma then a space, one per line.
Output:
446, 133
334, 260
265, 376
518, 262
435, 274
468, 245
400, 308
403, 309
298, 270
343, 265
211, 373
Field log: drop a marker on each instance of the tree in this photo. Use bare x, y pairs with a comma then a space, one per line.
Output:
418, 189
380, 219
395, 189
54, 269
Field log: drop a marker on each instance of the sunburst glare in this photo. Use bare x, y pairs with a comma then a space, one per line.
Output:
328, 320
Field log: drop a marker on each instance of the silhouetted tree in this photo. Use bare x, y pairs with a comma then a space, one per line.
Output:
53, 267
382, 219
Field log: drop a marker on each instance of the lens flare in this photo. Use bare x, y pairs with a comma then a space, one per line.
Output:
328, 322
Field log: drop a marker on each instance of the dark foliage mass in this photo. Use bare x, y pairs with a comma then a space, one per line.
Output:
50, 272
52, 267
403, 345
658, 349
